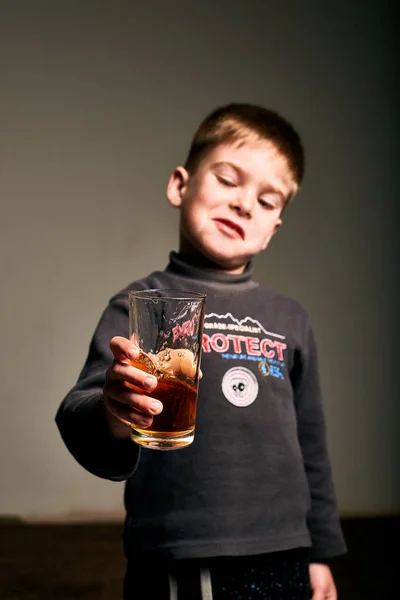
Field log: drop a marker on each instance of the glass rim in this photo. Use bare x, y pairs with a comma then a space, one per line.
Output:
170, 294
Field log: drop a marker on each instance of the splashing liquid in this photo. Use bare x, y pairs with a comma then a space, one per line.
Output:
174, 427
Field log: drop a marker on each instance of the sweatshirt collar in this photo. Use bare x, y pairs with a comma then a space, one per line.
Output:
178, 265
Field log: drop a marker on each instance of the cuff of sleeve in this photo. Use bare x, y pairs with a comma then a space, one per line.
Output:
86, 433
326, 554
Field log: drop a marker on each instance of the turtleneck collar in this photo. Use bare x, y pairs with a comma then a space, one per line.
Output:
178, 265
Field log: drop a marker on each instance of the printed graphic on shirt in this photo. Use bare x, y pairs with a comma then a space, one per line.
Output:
247, 340
240, 386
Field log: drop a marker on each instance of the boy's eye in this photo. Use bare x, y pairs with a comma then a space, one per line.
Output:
226, 181
265, 203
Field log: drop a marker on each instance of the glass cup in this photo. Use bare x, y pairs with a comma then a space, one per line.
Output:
167, 326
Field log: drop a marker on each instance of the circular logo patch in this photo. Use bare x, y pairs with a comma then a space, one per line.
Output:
240, 386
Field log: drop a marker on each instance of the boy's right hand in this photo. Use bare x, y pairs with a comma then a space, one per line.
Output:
126, 406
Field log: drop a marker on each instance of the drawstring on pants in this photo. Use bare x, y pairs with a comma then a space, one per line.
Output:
205, 585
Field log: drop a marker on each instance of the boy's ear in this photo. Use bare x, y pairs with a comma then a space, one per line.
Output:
278, 225
177, 186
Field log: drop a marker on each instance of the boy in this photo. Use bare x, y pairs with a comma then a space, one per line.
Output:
248, 510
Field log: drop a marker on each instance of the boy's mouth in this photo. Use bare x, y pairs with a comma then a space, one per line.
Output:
230, 227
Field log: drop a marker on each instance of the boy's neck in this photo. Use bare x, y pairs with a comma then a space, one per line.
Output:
197, 259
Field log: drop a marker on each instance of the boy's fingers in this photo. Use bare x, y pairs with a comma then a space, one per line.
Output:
123, 350
127, 414
121, 393
124, 372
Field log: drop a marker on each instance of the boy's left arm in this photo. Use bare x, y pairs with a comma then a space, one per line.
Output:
323, 519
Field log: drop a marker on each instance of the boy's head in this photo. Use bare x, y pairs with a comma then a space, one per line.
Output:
241, 123
244, 165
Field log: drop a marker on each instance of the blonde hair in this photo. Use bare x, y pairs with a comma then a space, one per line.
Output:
247, 122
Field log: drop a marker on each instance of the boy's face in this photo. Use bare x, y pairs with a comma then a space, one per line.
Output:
231, 204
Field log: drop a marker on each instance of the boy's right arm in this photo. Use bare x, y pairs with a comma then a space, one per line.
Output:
94, 418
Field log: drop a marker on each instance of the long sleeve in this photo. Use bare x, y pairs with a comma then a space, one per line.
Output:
323, 520
81, 417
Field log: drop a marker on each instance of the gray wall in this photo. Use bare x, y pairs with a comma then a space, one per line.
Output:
98, 103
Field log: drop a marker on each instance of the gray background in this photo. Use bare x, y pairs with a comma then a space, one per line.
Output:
98, 103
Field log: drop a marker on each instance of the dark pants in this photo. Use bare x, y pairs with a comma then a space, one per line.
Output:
274, 576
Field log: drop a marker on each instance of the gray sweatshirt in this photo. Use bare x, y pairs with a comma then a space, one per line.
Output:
257, 477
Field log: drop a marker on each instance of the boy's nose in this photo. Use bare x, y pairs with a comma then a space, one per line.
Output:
244, 205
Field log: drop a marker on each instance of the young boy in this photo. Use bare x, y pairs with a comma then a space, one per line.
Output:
248, 510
